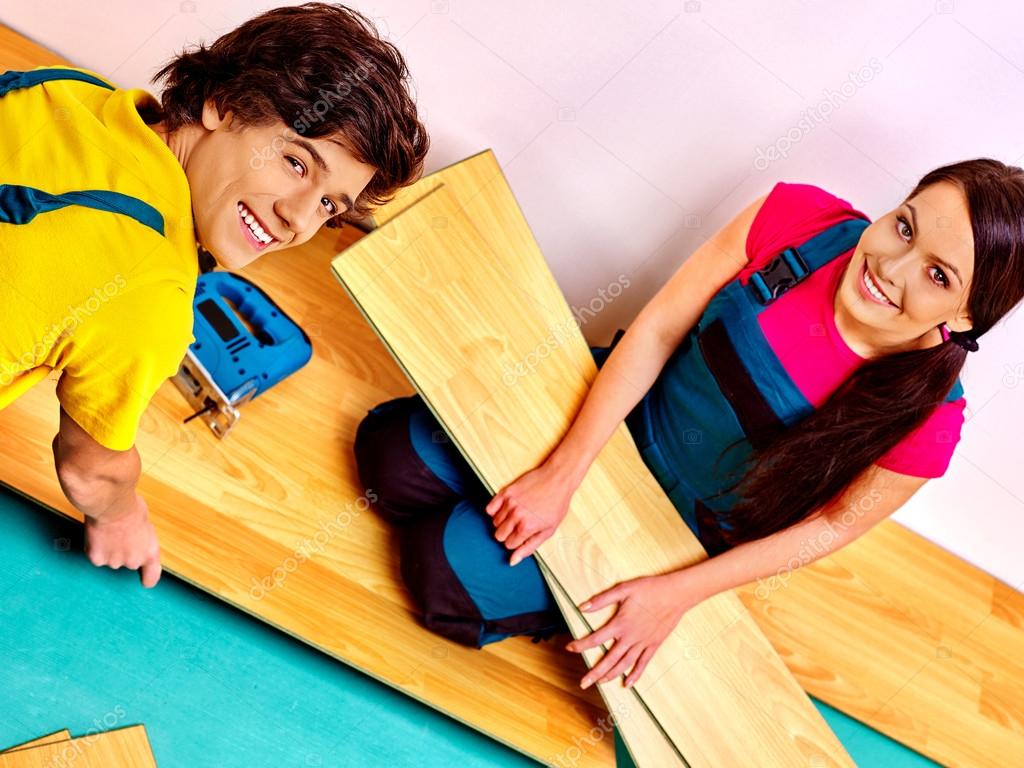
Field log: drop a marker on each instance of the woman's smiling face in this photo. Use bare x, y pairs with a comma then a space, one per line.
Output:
920, 256
267, 176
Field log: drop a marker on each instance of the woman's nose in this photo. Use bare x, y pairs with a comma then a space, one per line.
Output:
890, 268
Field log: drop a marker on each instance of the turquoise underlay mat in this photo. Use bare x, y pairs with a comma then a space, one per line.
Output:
88, 648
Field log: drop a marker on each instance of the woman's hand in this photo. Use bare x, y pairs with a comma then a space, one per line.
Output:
527, 511
649, 609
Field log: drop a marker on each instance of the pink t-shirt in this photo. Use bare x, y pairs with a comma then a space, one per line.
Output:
800, 326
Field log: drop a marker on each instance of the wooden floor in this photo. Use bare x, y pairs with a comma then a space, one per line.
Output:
892, 630
910, 639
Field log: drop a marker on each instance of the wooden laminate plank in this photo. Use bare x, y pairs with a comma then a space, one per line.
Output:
123, 748
48, 739
908, 638
648, 743
458, 290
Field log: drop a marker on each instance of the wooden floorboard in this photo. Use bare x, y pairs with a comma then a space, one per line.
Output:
48, 739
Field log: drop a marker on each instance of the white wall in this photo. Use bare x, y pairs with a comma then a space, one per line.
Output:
630, 132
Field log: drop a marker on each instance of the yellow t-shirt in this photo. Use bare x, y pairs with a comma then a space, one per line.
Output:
96, 295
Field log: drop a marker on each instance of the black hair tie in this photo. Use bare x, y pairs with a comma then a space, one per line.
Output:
964, 340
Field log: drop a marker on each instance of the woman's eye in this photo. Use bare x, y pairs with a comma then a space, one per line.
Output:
295, 162
945, 280
902, 222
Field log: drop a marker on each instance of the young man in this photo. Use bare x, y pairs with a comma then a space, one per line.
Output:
298, 118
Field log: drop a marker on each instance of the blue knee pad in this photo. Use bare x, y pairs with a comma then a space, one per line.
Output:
480, 562
437, 451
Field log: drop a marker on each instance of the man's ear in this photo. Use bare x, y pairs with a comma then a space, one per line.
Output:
212, 118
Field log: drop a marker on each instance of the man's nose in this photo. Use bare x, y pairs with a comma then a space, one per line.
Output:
298, 211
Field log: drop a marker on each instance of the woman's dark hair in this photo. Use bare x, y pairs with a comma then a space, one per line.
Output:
806, 467
323, 70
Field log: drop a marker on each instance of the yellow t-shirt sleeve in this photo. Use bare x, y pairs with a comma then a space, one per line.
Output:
120, 356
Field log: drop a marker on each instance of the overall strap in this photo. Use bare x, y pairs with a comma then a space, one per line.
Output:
20, 204
14, 79
794, 264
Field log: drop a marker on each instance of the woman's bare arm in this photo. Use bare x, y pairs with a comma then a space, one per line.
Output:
638, 358
875, 495
650, 607
527, 511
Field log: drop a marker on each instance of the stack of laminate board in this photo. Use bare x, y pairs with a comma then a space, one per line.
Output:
457, 289
123, 748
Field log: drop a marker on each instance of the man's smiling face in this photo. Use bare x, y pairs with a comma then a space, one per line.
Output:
268, 179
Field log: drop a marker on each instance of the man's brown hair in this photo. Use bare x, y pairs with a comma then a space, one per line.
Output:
323, 70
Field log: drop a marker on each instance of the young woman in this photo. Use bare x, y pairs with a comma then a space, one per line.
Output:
794, 383
298, 118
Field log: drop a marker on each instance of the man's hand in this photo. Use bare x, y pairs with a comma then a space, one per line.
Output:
100, 483
129, 541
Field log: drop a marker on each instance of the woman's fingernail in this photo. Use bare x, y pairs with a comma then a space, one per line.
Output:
585, 683
585, 606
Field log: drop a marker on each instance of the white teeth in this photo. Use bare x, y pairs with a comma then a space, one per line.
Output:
253, 225
874, 290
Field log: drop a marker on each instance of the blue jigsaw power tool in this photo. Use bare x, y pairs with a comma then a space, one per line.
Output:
244, 344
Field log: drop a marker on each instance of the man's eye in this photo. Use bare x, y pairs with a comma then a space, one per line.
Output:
295, 162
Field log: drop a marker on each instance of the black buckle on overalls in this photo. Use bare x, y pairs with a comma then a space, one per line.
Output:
778, 276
